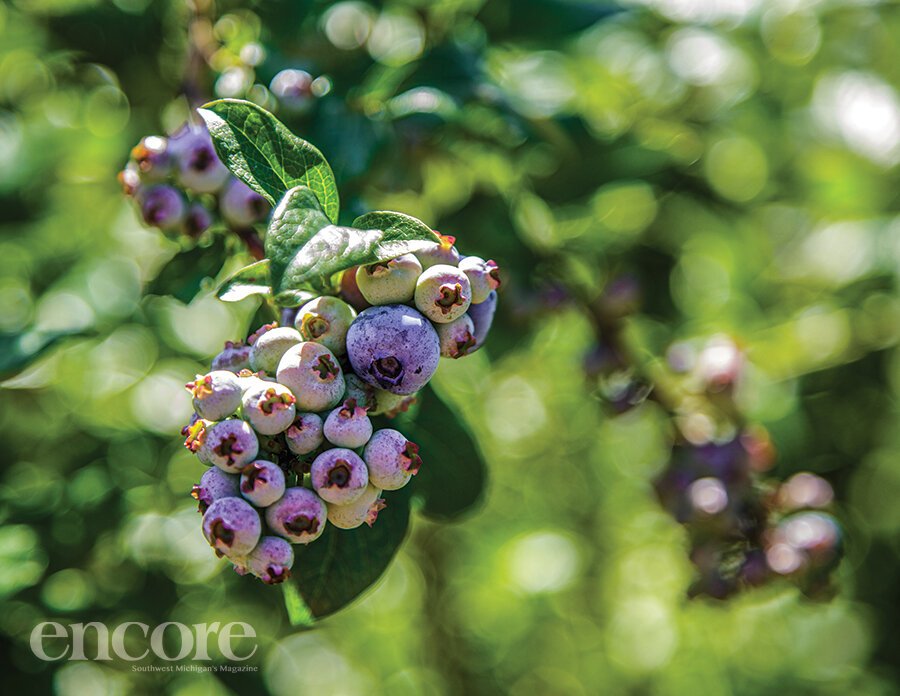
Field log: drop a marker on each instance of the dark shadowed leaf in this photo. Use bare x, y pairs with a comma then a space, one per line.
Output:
184, 275
295, 221
265, 155
17, 351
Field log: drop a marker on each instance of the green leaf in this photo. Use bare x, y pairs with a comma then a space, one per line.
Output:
396, 223
297, 610
341, 564
17, 351
294, 222
453, 474
261, 151
250, 280
334, 249
186, 273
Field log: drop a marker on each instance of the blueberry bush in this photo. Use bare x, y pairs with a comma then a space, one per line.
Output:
651, 452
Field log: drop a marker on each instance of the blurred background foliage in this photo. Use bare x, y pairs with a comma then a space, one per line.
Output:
737, 158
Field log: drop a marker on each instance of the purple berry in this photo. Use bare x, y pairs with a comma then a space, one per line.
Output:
389, 282
231, 526
241, 206
339, 476
457, 338
482, 316
262, 483
268, 348
293, 89
199, 168
269, 407
271, 561
305, 434
197, 220
348, 426
230, 445
299, 516
326, 320
162, 206
217, 395
443, 293
215, 484
364, 509
152, 158
314, 376
392, 459
394, 348
234, 357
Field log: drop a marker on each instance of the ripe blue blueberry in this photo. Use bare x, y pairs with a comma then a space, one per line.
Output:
348, 426
482, 316
441, 252
339, 476
241, 206
299, 516
162, 206
215, 484
457, 338
394, 348
443, 293
232, 527
262, 483
269, 407
217, 395
326, 320
391, 459
271, 561
313, 375
199, 168
229, 445
268, 348
389, 282
197, 220
152, 158
484, 277
364, 509
305, 434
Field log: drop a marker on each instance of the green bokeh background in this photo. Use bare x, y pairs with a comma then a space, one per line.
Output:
738, 158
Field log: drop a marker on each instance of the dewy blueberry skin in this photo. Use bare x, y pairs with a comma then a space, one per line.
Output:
299, 516
394, 348
231, 526
339, 476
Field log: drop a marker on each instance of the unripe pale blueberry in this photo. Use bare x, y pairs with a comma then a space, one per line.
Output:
305, 434
162, 206
130, 179
293, 89
363, 509
442, 252
232, 527
272, 559
484, 277
241, 206
443, 293
457, 338
269, 407
339, 476
152, 157
391, 459
234, 357
299, 516
199, 168
314, 376
389, 282
393, 347
482, 316
230, 445
348, 426
262, 483
215, 484
217, 395
268, 348
326, 320
197, 220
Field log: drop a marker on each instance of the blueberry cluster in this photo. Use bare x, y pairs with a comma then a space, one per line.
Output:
181, 186
283, 419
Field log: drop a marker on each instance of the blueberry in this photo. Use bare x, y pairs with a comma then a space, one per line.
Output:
262, 483
443, 293
199, 168
271, 561
392, 459
482, 316
234, 357
215, 484
314, 376
231, 526
389, 282
457, 337
293, 89
162, 206
229, 445
484, 277
299, 516
153, 158
364, 509
348, 426
268, 348
326, 320
241, 206
339, 476
217, 395
269, 407
197, 220
305, 434
394, 348
441, 252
